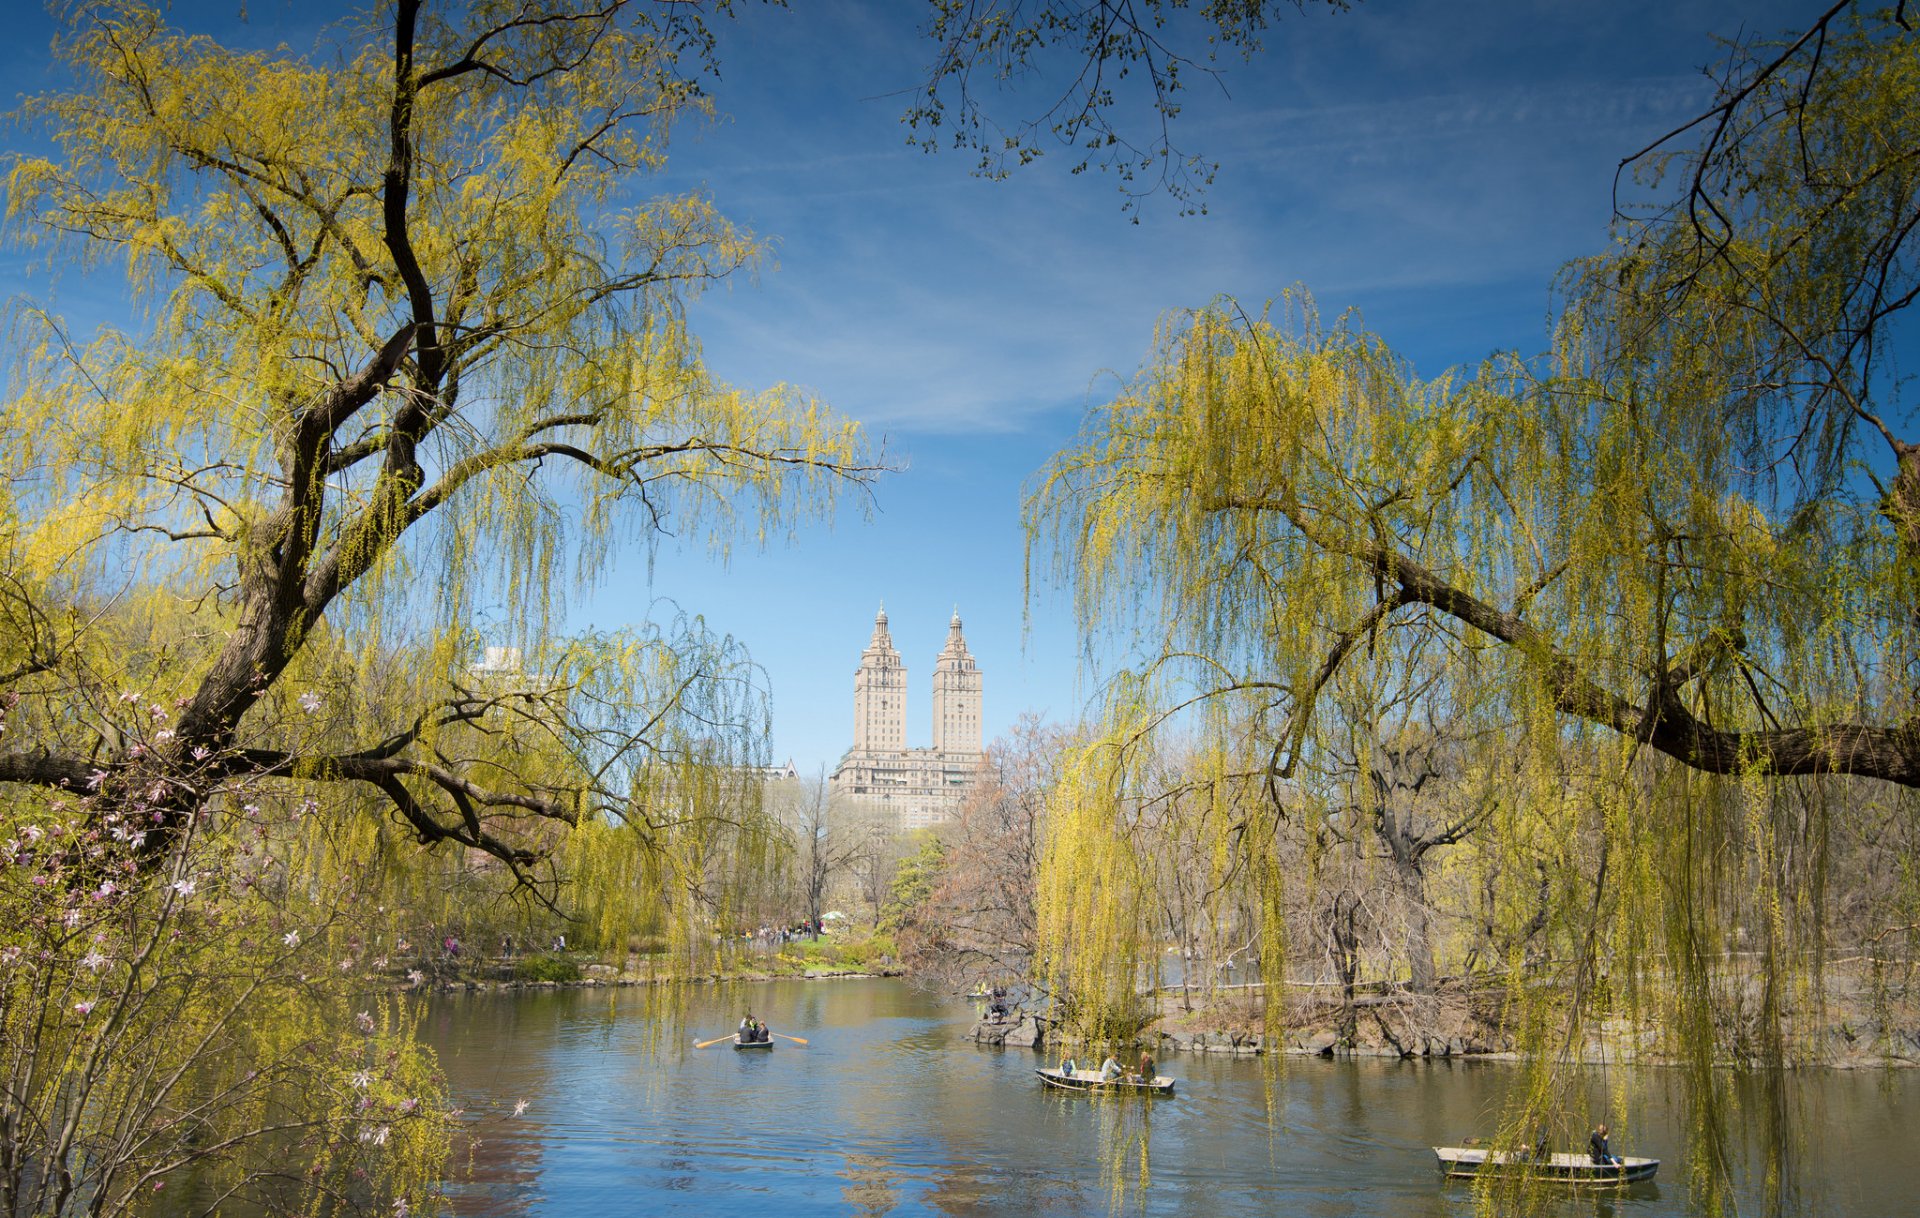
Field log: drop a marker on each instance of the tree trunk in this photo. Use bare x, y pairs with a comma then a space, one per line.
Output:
1344, 938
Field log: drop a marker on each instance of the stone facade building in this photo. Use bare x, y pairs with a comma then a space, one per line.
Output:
919, 787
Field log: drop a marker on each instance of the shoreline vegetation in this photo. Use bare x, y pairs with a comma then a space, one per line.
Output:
799, 960
1853, 1024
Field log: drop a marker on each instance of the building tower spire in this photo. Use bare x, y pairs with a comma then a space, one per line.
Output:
957, 696
880, 694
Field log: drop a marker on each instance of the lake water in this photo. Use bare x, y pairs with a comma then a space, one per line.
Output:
890, 1110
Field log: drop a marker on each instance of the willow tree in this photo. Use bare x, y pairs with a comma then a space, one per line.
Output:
416, 345
410, 357
1681, 544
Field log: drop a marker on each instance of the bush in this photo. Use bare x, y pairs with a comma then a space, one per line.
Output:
546, 967
866, 953
858, 955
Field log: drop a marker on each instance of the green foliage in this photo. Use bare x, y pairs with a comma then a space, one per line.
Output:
415, 349
407, 345
912, 884
871, 952
1667, 568
546, 967
835, 953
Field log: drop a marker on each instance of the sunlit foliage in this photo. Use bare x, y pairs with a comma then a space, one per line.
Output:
404, 365
220, 1026
1671, 561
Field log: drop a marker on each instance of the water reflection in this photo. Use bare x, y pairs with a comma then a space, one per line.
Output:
889, 1111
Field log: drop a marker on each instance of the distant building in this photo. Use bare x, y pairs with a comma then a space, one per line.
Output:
499, 660
920, 787
778, 773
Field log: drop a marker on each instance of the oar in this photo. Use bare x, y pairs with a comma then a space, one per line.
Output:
716, 1040
798, 1040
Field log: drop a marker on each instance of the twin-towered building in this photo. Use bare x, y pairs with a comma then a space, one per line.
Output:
920, 787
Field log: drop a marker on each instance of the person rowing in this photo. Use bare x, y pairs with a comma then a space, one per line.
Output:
752, 1031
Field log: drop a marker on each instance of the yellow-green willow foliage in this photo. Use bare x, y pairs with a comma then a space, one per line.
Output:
1139, 854
415, 341
1671, 561
405, 343
196, 1029
414, 347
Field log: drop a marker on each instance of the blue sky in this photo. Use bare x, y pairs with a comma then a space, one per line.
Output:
1428, 164
1431, 165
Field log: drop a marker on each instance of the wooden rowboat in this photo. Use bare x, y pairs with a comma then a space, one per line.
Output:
1090, 1081
751, 1044
1462, 1162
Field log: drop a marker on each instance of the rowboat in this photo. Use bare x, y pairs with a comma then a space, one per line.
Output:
1090, 1081
751, 1044
1462, 1162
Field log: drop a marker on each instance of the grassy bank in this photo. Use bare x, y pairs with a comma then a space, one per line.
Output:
798, 959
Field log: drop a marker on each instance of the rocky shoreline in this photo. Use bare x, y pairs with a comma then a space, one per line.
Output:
1852, 1036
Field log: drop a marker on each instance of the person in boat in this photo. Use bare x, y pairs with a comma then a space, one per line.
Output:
746, 1034
1597, 1146
1110, 1069
1147, 1067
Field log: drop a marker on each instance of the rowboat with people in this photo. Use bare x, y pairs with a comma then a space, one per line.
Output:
1466, 1162
752, 1034
1096, 1083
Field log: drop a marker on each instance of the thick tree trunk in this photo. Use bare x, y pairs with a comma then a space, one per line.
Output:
1344, 938
1413, 899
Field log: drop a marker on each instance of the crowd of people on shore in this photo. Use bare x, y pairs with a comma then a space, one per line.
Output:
806, 928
